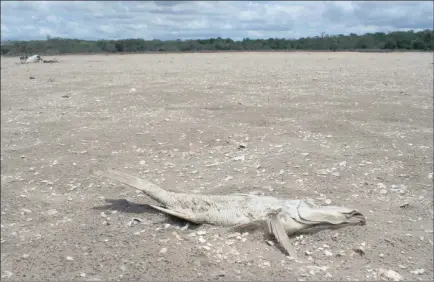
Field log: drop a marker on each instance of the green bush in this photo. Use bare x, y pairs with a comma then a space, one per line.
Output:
399, 40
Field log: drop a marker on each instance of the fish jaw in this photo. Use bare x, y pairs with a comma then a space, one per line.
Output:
355, 218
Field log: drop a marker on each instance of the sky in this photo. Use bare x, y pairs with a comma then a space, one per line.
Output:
27, 20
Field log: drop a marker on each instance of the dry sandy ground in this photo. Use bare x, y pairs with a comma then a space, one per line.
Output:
352, 129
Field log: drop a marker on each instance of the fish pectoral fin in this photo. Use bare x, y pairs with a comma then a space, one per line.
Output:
275, 227
187, 217
252, 225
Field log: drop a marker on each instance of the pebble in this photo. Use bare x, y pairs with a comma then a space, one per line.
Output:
271, 243
163, 251
26, 210
201, 240
242, 146
174, 233
52, 212
389, 275
69, 258
47, 182
7, 274
24, 256
328, 253
312, 272
133, 221
322, 172
239, 158
229, 242
418, 271
360, 250
383, 191
234, 235
201, 232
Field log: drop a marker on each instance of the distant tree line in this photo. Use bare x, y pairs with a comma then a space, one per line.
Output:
397, 40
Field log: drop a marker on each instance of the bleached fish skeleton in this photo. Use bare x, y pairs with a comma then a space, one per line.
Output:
283, 217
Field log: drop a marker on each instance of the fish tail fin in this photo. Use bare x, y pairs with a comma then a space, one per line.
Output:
145, 186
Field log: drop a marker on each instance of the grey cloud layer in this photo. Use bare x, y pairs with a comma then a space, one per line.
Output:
178, 19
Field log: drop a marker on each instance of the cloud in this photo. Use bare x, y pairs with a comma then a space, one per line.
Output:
196, 19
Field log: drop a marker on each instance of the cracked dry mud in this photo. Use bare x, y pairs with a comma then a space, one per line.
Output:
348, 129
